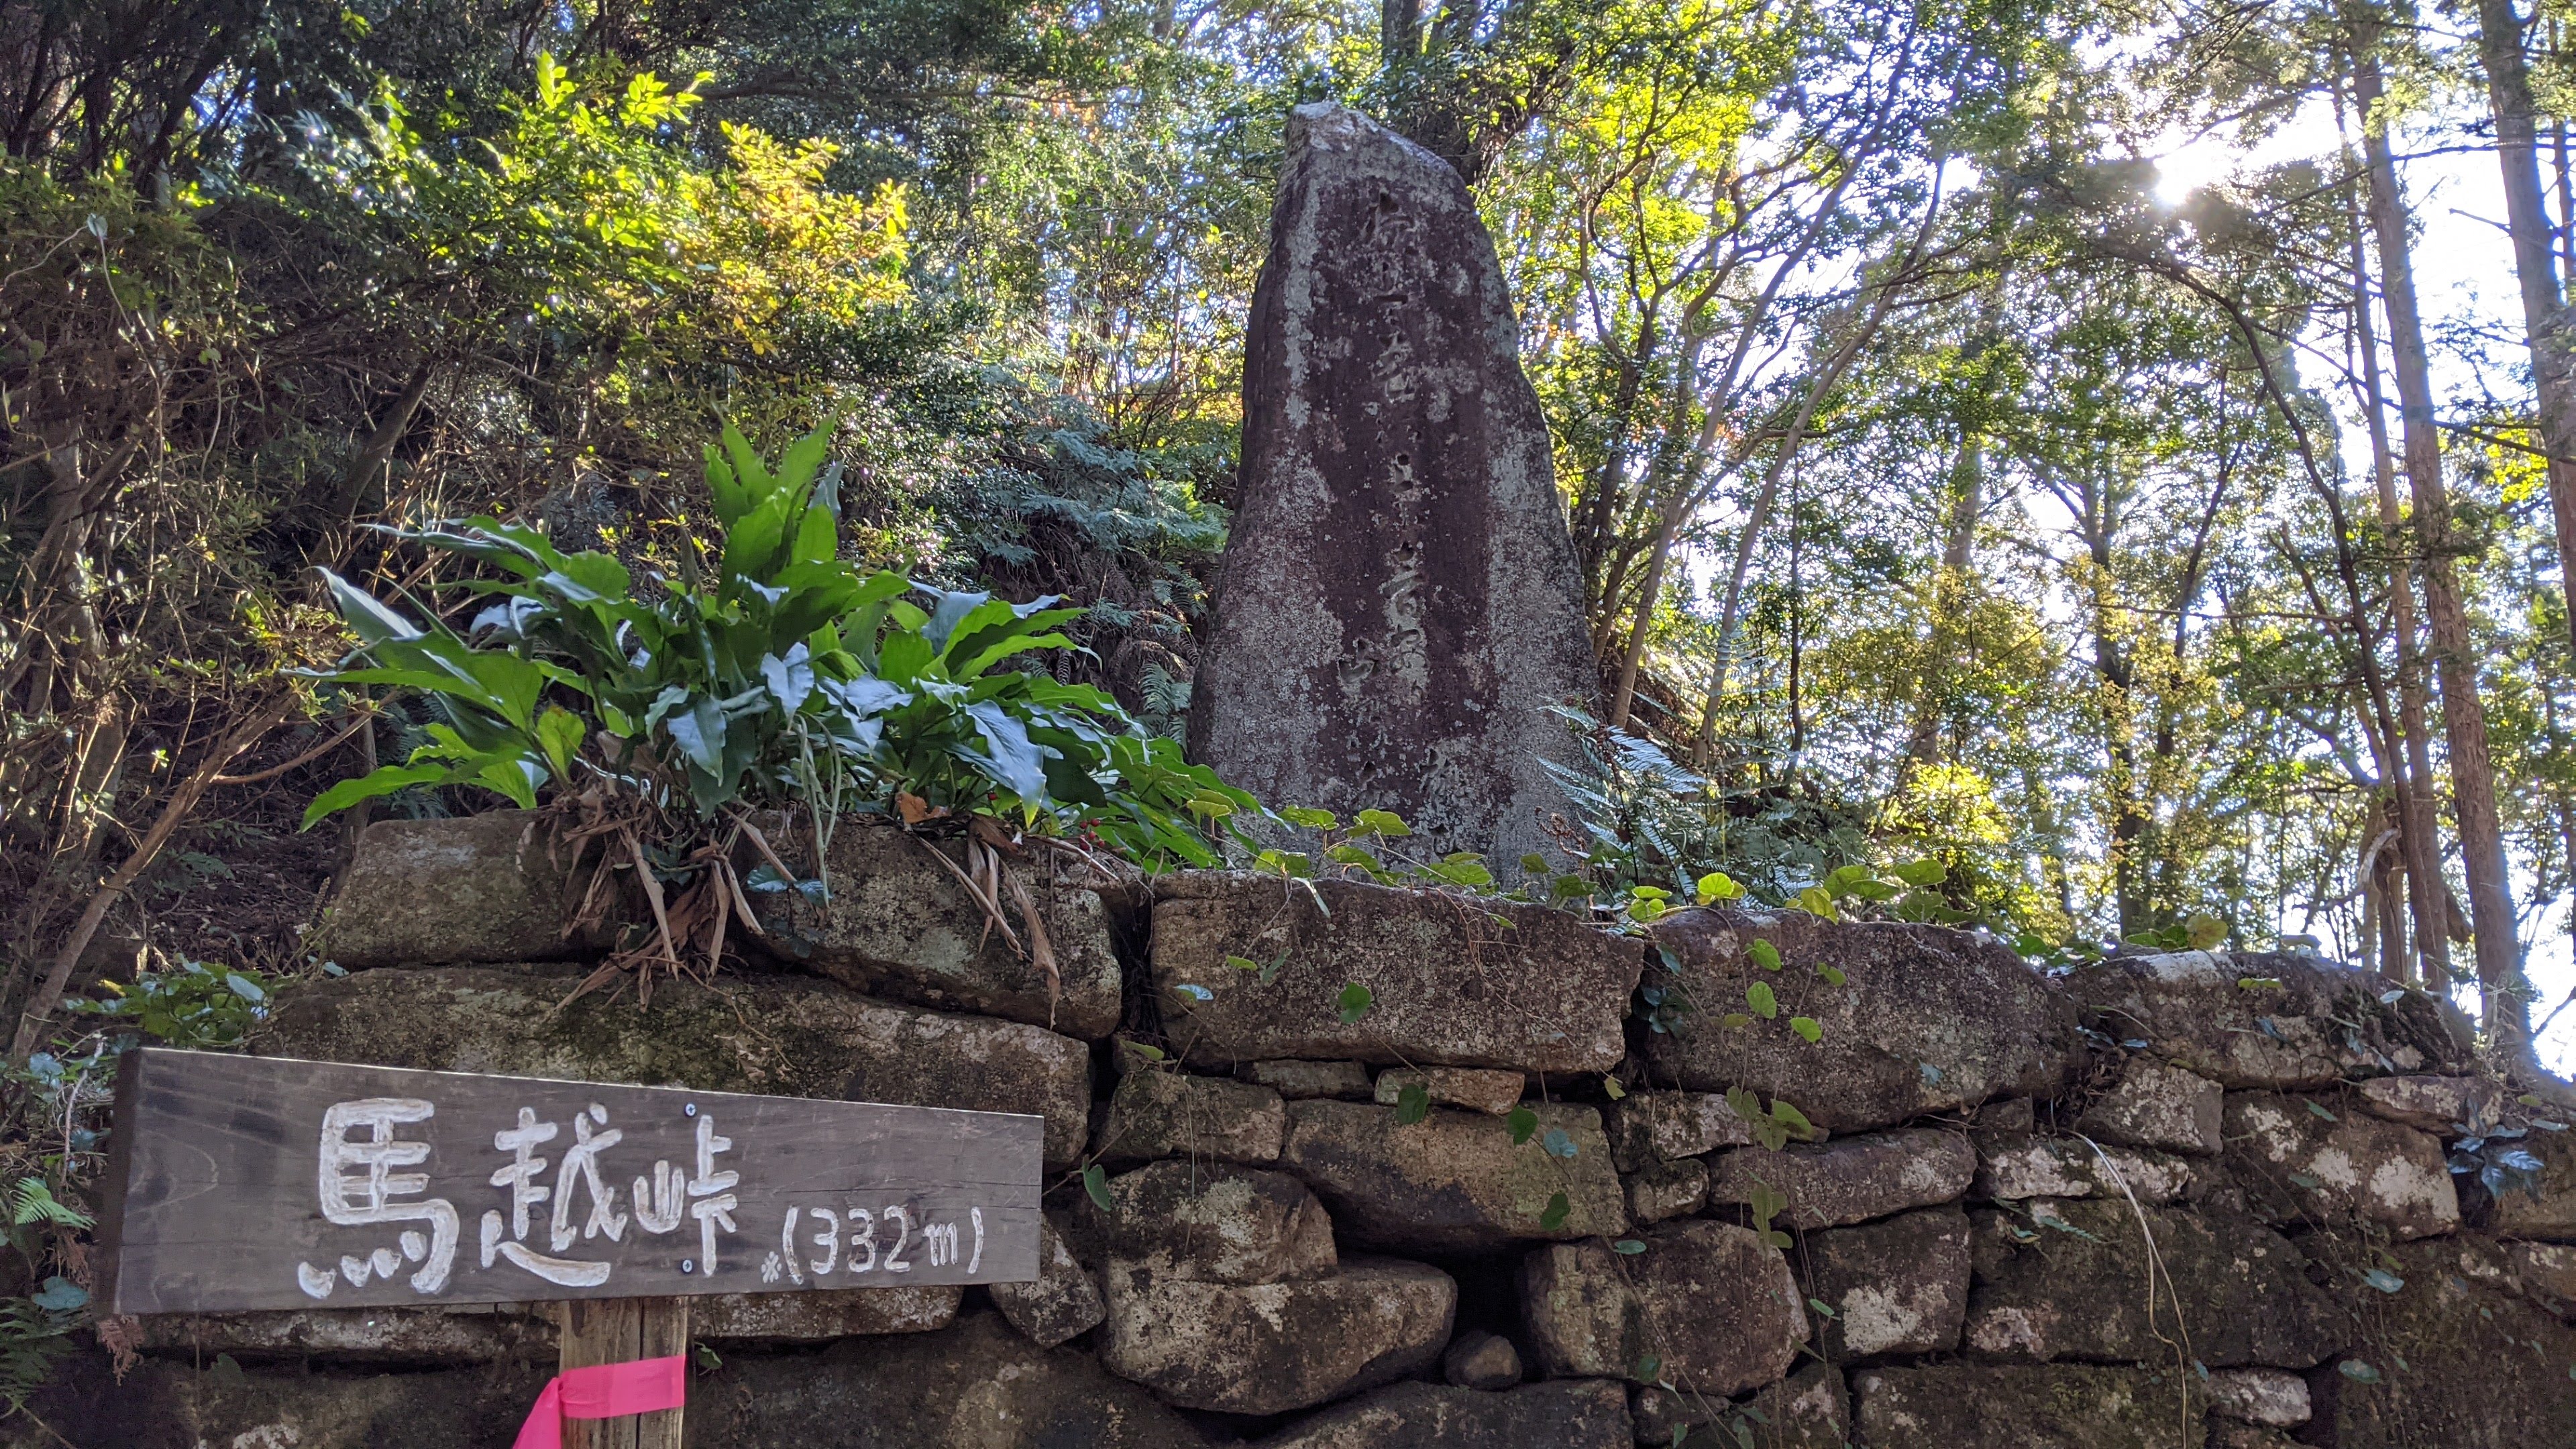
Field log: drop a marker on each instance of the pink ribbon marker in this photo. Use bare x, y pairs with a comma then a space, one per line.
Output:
604, 1391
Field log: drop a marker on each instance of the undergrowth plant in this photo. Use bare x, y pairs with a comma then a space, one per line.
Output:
771, 674
55, 1145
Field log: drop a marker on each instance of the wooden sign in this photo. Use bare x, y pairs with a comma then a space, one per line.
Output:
238, 1183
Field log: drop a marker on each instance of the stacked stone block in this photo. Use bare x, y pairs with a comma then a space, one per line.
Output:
2165, 1201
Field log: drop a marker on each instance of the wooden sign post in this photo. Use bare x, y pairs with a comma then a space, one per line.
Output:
247, 1183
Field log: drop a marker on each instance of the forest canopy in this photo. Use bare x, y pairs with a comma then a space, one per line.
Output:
1948, 483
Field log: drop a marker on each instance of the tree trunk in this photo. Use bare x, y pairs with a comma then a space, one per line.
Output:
1399, 32
2418, 837
375, 452
2464, 722
1949, 597
2535, 266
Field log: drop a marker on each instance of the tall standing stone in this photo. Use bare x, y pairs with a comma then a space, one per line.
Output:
1399, 603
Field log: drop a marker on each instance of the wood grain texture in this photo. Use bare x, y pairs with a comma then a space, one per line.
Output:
620, 1330
245, 1183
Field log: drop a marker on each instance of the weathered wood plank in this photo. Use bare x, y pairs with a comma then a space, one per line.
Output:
619, 1330
243, 1183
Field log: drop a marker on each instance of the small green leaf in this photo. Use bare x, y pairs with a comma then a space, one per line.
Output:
1628, 1245
1353, 855
2318, 1111
559, 733
1833, 975
1647, 1367
1524, 1125
2304, 1180
1295, 864
1382, 822
1554, 1216
1791, 1118
1807, 1027
2358, 1371
1817, 902
1463, 868
1147, 1050
1095, 1181
1611, 1085
1717, 886
2383, 1280
1734, 1020
1821, 1307
1412, 1104
1764, 954
1243, 963
1759, 996
1742, 1102
61, 1295
1354, 1002
1310, 819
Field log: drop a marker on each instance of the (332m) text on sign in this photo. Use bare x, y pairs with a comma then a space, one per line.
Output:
244, 1183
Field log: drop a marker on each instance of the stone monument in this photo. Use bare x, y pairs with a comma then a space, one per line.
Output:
1398, 605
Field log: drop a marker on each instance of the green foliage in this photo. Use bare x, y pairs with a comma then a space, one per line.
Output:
1379, 860
1412, 1104
31, 1203
1656, 830
676, 274
33, 1337
1766, 1203
197, 1006
66, 1091
2498, 1160
1354, 1002
2198, 931
772, 672
1773, 1127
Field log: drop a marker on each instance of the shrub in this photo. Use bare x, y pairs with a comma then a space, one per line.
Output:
772, 674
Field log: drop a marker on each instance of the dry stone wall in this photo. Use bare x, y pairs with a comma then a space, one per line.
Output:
2168, 1201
